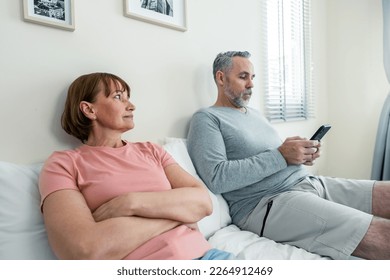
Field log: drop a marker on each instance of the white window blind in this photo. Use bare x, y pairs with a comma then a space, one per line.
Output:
288, 82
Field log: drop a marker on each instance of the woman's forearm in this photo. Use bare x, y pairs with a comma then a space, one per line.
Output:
187, 205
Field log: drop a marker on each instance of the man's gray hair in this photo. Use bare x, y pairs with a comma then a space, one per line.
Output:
223, 62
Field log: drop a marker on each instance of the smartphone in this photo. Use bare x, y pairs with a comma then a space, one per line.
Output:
321, 132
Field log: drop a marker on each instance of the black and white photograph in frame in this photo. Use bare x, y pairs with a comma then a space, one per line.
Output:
164, 7
167, 13
54, 13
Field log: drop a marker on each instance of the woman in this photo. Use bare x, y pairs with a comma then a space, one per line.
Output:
112, 199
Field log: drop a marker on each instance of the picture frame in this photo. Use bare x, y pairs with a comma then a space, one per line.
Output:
166, 13
53, 13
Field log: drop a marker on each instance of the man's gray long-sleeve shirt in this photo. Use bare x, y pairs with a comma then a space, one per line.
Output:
236, 155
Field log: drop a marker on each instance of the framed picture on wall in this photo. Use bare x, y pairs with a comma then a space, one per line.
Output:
167, 13
54, 13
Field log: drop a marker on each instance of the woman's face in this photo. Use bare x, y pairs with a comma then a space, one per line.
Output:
115, 112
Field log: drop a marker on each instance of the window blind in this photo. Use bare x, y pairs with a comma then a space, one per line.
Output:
288, 60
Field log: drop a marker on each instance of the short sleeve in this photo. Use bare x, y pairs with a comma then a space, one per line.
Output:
58, 173
165, 158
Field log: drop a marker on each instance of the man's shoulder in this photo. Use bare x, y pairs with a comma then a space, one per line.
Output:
204, 110
212, 110
202, 113
224, 111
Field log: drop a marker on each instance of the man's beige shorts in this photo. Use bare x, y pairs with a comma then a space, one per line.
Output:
326, 216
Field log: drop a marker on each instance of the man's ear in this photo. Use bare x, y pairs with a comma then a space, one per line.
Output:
88, 110
219, 78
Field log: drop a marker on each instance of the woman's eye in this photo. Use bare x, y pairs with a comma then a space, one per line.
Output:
118, 96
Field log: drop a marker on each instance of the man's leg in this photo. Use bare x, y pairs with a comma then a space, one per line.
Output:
375, 244
381, 199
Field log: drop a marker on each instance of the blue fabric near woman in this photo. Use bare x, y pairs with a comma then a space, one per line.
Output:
215, 254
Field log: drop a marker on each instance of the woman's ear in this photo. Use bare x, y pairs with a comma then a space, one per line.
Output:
88, 110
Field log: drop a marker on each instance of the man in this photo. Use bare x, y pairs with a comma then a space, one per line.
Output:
239, 155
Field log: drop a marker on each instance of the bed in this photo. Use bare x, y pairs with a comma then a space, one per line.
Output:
23, 235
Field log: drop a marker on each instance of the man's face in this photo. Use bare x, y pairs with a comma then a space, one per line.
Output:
238, 82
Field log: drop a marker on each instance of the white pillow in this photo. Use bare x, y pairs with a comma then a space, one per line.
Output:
220, 217
177, 147
22, 231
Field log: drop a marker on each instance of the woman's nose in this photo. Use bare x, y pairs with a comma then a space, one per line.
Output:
130, 106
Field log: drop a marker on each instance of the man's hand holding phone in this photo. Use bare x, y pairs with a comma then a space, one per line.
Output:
297, 150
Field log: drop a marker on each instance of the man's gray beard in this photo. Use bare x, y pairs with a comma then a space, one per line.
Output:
238, 101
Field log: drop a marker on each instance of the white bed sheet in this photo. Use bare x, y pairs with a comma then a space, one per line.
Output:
249, 246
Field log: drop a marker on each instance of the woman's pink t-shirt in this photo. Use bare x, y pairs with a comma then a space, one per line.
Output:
102, 173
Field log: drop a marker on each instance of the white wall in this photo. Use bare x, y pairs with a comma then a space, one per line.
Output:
357, 85
170, 73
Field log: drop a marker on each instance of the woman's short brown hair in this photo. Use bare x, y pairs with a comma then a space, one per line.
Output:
86, 88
